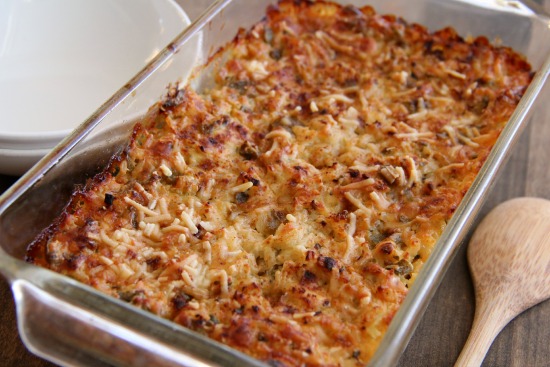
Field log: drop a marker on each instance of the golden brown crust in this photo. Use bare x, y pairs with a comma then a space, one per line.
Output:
285, 211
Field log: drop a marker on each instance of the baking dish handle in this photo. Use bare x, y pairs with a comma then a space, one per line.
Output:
69, 323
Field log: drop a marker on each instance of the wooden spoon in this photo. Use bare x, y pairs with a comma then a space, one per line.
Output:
509, 258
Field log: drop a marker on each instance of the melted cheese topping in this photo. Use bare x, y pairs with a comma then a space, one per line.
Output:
286, 211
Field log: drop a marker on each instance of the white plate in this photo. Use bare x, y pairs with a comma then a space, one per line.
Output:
15, 162
61, 59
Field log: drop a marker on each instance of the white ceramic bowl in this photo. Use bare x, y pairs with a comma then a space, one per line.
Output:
61, 59
16, 161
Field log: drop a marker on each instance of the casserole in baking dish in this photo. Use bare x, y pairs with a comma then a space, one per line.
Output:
289, 226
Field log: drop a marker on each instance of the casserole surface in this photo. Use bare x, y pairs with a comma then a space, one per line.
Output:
33, 201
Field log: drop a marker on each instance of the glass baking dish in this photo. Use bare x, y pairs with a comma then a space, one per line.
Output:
71, 324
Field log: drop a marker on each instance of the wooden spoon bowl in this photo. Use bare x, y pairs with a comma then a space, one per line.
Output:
509, 258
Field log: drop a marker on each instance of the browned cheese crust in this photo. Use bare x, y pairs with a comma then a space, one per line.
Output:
286, 210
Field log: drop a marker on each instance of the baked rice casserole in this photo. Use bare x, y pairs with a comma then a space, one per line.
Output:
286, 210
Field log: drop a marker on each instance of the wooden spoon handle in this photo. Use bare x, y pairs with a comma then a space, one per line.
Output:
486, 326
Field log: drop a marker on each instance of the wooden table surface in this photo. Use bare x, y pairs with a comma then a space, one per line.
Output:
446, 323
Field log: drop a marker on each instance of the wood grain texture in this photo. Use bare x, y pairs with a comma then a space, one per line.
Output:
446, 323
509, 259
